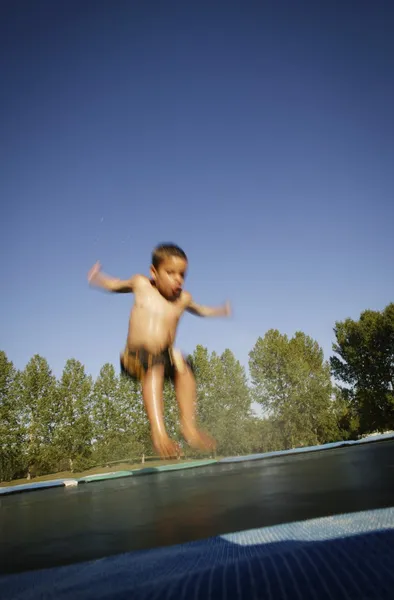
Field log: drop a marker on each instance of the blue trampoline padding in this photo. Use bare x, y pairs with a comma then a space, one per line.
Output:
147, 470
349, 557
104, 476
175, 467
375, 438
30, 487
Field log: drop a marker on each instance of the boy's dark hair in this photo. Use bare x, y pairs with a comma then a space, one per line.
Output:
164, 251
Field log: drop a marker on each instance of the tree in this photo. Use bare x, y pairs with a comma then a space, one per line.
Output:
73, 435
263, 435
291, 381
346, 415
133, 422
364, 363
223, 399
107, 426
38, 392
121, 427
232, 396
171, 412
207, 409
11, 427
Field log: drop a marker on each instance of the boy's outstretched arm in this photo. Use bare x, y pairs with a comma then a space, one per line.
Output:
207, 311
111, 284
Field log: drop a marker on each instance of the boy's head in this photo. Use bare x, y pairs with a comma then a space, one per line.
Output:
168, 269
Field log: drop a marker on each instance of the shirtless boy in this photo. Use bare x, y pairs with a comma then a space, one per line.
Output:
149, 355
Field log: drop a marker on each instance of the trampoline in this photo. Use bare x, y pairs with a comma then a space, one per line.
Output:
311, 523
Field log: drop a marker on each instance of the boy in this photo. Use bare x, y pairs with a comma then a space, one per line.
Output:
149, 355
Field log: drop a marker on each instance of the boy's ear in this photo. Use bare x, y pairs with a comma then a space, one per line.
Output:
153, 272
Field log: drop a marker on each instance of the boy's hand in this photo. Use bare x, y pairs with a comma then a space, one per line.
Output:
207, 311
94, 272
227, 309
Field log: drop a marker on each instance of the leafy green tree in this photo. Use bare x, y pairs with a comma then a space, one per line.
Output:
234, 403
107, 415
207, 408
223, 399
346, 415
292, 382
214, 407
121, 428
171, 413
39, 397
73, 435
364, 364
11, 423
263, 435
134, 424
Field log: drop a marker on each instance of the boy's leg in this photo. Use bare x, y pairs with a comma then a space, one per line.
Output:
185, 389
152, 392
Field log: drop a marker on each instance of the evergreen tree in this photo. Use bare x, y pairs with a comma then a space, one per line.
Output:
134, 420
73, 435
39, 397
233, 400
171, 413
121, 427
207, 408
12, 456
106, 415
223, 399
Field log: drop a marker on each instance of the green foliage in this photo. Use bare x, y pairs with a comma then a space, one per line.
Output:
205, 388
171, 412
120, 425
263, 435
40, 401
291, 381
223, 399
73, 432
109, 424
364, 363
11, 426
136, 438
234, 405
346, 416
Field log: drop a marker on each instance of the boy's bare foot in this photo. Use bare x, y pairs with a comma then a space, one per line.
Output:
198, 439
166, 447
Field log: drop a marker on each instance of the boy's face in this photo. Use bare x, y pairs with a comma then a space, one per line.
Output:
170, 276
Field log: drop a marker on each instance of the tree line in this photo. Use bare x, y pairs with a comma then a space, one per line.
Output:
49, 425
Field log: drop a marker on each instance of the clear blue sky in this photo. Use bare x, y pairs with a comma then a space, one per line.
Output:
259, 136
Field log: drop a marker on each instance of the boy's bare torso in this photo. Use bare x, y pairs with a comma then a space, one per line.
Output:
153, 319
